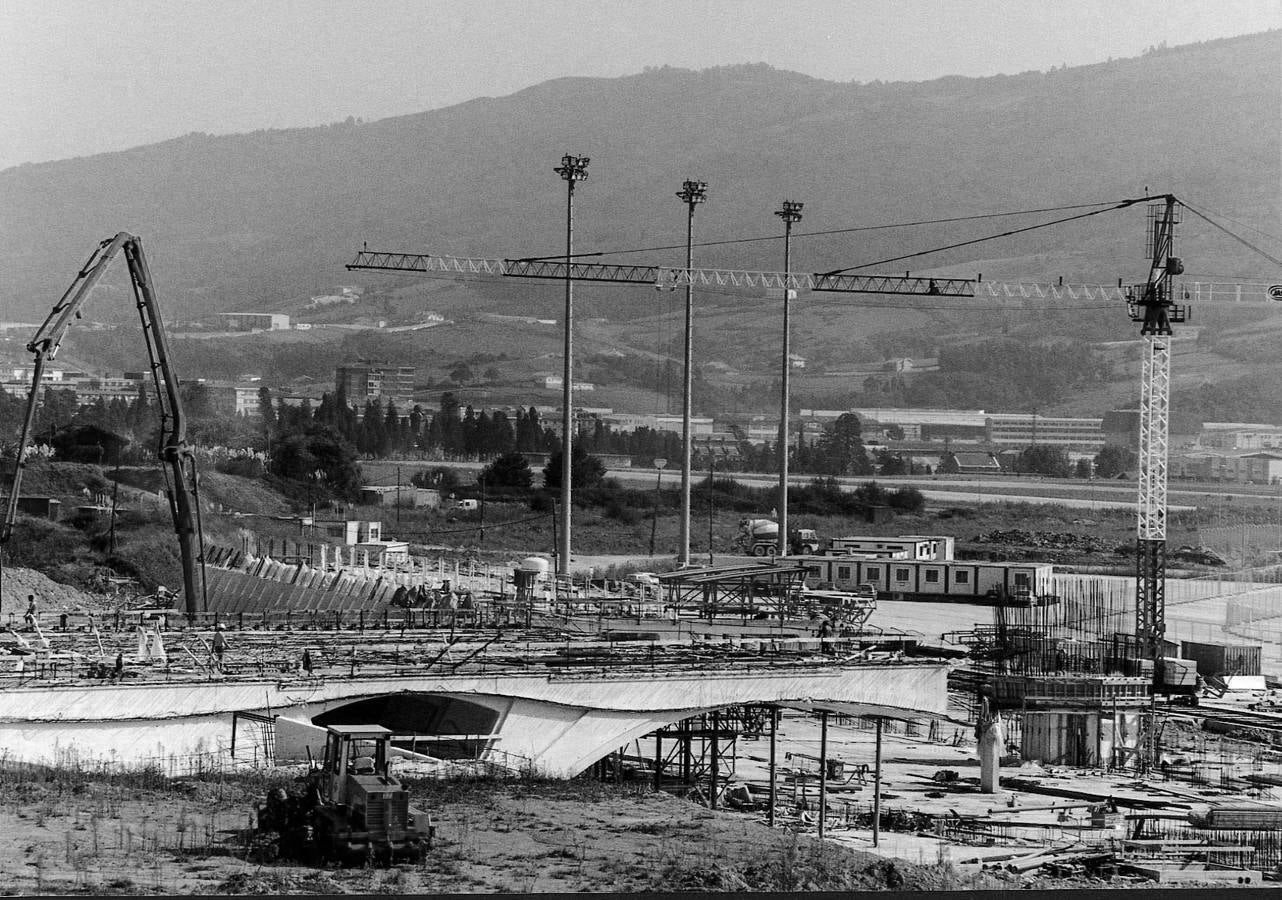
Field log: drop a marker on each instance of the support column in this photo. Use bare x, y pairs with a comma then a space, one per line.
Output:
990, 741
686, 762
876, 787
716, 760
658, 761
823, 771
774, 727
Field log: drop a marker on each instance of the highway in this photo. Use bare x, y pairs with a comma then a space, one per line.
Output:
960, 490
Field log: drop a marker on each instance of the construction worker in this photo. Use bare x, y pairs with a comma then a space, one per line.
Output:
30, 617
307, 661
220, 644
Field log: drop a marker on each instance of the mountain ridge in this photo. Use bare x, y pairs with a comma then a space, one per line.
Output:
232, 221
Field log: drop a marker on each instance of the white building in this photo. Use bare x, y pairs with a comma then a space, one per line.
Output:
556, 381
699, 425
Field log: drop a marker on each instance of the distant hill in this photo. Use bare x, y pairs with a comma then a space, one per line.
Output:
264, 219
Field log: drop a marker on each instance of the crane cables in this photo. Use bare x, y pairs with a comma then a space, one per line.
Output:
831, 231
991, 237
1237, 237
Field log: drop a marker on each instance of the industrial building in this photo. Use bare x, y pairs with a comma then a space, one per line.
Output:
1018, 430
1260, 467
700, 426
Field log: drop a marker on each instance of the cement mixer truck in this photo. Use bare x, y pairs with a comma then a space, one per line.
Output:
760, 537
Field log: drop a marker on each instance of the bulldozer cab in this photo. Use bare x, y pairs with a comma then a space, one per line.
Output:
352, 751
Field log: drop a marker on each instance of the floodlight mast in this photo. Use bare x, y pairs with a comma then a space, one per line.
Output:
692, 193
790, 213
573, 169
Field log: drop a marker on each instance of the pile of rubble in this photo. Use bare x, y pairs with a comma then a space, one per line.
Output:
1044, 546
51, 597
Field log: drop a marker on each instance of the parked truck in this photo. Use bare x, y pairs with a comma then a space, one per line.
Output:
760, 537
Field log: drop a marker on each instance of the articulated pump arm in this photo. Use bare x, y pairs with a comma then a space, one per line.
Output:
174, 451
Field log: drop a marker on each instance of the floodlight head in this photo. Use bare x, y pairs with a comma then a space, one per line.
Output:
791, 211
693, 192
573, 168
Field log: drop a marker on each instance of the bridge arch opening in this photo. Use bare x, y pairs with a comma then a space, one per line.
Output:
443, 727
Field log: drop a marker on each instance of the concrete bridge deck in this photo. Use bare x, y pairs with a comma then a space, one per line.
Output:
558, 722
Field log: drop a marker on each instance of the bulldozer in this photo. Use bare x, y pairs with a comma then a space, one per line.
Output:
350, 808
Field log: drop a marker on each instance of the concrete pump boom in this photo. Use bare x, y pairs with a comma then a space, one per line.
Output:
184, 503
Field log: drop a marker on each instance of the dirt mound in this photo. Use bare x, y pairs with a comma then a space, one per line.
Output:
240, 494
63, 480
51, 597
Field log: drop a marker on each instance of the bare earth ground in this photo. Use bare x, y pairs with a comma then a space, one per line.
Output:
70, 831
83, 836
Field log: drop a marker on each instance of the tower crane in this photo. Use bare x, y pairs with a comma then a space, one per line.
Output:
175, 453
1151, 304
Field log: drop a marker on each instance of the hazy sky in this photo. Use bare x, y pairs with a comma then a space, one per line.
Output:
86, 76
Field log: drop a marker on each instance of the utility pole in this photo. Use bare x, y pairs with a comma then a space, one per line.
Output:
692, 193
790, 213
573, 169
712, 484
659, 463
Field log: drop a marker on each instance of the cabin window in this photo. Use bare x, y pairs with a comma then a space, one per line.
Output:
961, 577
843, 573
902, 574
873, 573
932, 576
1021, 579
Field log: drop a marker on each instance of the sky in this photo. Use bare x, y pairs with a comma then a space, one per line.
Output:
79, 77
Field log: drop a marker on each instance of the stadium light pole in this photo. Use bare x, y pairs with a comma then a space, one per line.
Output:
790, 213
573, 169
692, 193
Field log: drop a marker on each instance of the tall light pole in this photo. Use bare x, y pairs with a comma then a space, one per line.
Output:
692, 193
791, 212
573, 169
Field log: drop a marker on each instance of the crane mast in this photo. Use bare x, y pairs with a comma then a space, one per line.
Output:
175, 453
1152, 304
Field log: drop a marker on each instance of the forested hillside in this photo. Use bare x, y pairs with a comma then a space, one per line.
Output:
259, 219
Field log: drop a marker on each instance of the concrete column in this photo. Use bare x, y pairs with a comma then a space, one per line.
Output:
990, 752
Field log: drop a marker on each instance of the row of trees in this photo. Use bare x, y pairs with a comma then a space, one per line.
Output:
322, 443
